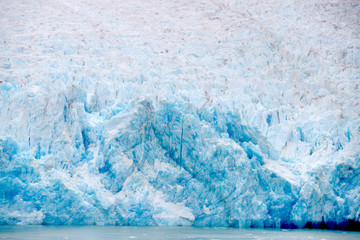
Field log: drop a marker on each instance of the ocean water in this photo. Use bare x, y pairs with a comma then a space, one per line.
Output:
152, 233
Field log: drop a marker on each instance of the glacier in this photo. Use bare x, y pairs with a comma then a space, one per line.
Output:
190, 113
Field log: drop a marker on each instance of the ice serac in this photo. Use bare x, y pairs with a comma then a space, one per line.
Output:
203, 113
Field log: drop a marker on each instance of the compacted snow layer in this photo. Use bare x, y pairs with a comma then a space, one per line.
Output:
205, 113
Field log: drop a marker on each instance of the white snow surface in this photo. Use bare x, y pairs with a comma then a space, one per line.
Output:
205, 112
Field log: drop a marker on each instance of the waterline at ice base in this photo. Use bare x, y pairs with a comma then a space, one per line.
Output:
204, 113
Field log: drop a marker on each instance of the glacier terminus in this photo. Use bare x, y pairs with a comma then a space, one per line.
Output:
237, 113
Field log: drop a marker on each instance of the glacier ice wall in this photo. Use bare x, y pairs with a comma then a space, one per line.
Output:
204, 113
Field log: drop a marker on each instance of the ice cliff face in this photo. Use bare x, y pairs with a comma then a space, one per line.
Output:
206, 113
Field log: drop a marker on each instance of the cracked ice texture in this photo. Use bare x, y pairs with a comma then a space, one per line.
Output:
208, 113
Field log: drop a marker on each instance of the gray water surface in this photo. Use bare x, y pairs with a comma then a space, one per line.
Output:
152, 233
